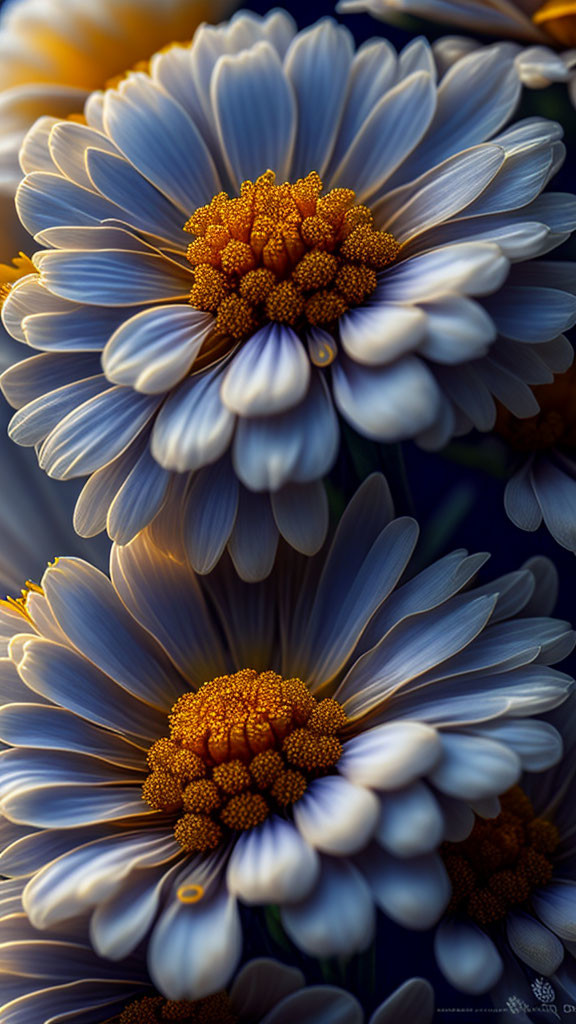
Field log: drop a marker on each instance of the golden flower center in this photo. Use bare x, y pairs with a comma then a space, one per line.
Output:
558, 19
239, 748
214, 1009
284, 253
502, 862
555, 424
21, 266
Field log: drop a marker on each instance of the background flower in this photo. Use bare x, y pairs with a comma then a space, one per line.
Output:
521, 902
420, 696
549, 25
543, 484
53, 53
151, 403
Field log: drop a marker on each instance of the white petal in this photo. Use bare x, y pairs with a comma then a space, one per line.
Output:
458, 329
195, 948
335, 816
254, 539
272, 864
471, 268
95, 432
153, 350
473, 767
388, 134
298, 446
520, 501
338, 917
119, 924
556, 906
90, 874
255, 112
379, 333
467, 957
390, 756
537, 744
317, 65
536, 946
301, 515
411, 821
412, 1003
161, 141
445, 191
317, 1003
193, 428
211, 509
414, 892
261, 984
387, 403
269, 374
112, 278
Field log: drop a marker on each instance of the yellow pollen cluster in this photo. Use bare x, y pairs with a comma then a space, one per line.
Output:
20, 604
502, 862
558, 19
214, 1009
284, 253
555, 424
9, 274
240, 747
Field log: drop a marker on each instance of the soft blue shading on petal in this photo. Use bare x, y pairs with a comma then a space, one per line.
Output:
195, 949
210, 514
338, 917
270, 373
155, 349
255, 110
467, 957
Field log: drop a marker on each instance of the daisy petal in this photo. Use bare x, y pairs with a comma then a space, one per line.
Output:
337, 919
195, 948
390, 756
335, 816
255, 112
467, 957
272, 864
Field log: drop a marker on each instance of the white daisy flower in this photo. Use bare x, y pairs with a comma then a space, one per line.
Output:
53, 53
514, 887
179, 745
50, 978
542, 454
368, 258
548, 26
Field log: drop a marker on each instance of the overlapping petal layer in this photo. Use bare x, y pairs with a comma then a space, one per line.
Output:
437, 684
144, 395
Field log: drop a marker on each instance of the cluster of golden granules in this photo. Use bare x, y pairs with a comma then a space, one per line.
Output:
21, 266
20, 604
503, 860
240, 747
214, 1009
555, 424
558, 19
284, 253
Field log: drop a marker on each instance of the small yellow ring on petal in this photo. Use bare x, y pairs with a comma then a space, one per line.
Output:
190, 893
